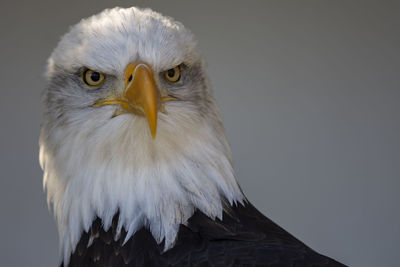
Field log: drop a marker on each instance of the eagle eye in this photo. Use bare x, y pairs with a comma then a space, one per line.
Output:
92, 78
173, 75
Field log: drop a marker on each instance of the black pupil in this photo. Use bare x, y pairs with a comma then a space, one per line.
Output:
95, 76
171, 73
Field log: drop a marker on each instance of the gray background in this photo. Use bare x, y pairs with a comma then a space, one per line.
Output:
309, 92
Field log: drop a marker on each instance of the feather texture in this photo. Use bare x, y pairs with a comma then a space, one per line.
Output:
244, 237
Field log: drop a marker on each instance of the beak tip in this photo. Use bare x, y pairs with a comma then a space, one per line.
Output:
153, 127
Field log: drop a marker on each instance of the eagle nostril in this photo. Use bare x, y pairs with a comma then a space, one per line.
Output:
130, 78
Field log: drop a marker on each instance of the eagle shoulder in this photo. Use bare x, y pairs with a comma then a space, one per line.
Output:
244, 237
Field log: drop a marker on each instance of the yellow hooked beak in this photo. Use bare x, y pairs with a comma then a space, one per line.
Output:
140, 96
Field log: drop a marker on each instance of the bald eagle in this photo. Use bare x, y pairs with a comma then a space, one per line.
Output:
136, 165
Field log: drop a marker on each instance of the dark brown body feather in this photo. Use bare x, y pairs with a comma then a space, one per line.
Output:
244, 237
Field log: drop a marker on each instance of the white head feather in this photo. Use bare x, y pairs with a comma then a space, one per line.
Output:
96, 166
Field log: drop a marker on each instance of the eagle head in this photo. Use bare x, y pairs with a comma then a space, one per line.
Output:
130, 126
